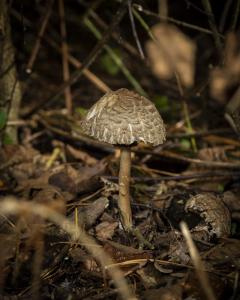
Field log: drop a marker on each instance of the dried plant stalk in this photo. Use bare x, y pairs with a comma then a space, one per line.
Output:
197, 262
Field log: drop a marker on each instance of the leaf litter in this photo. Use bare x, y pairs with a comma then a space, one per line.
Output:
77, 177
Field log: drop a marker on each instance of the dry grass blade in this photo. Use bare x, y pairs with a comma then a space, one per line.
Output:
197, 262
12, 206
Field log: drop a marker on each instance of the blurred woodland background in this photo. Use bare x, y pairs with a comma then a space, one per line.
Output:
60, 231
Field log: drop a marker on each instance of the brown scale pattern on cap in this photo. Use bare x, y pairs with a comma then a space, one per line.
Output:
124, 117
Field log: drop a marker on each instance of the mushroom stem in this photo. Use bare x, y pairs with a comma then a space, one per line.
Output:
124, 195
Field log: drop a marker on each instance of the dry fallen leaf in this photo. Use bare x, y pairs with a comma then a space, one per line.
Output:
89, 215
106, 230
172, 52
225, 78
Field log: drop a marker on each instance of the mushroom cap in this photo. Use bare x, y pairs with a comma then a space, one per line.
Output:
124, 117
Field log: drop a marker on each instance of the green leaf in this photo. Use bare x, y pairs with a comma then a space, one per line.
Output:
108, 64
161, 103
3, 119
7, 140
81, 111
185, 144
220, 187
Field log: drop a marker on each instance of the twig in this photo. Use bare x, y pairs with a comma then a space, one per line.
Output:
174, 21
200, 133
118, 61
235, 16
212, 24
89, 60
213, 164
77, 137
134, 29
102, 86
226, 8
178, 177
191, 4
66, 72
119, 39
88, 74
179, 84
197, 262
125, 44
40, 35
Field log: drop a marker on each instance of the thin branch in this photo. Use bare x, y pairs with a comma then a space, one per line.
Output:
134, 30
224, 15
66, 72
174, 21
121, 41
212, 23
204, 175
117, 59
235, 16
75, 62
89, 60
39, 38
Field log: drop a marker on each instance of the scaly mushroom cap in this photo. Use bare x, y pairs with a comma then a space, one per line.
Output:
124, 117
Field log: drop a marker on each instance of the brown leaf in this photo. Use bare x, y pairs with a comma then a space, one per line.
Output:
171, 53
89, 215
106, 230
226, 77
95, 210
63, 181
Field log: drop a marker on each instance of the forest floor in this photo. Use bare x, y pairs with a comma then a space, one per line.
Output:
58, 184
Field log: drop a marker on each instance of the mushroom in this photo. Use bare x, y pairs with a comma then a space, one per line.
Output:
122, 118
